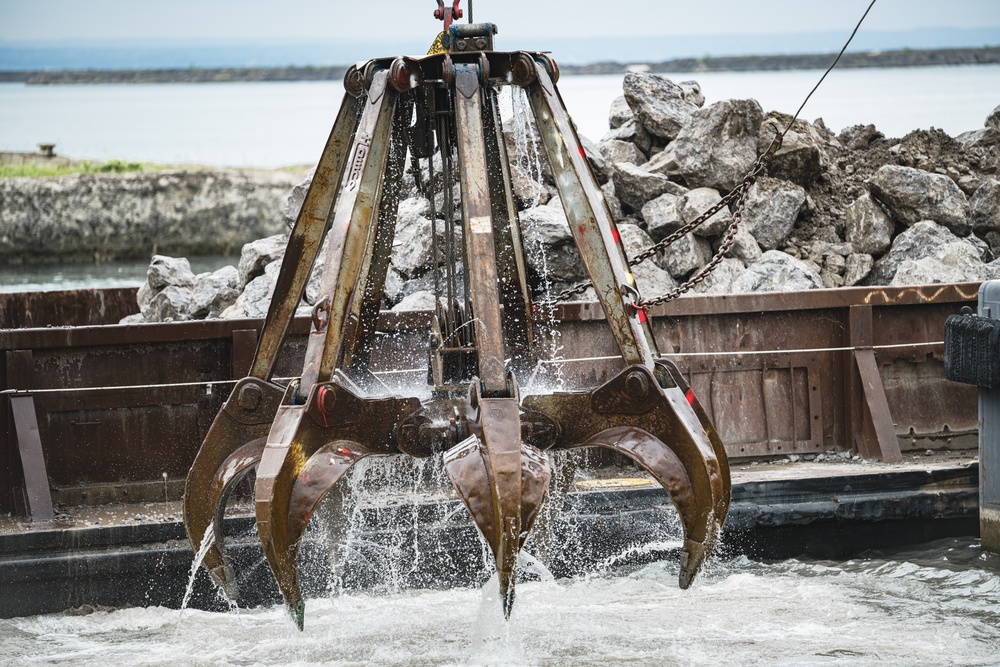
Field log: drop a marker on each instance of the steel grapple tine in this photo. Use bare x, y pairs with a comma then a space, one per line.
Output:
503, 483
308, 449
668, 470
678, 442
233, 444
319, 474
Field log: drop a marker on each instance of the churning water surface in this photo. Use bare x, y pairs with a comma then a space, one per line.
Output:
935, 605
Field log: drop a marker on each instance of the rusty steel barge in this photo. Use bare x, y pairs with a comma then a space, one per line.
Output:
100, 424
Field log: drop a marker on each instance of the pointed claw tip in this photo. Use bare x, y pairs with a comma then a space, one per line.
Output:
507, 596
692, 558
298, 614
225, 578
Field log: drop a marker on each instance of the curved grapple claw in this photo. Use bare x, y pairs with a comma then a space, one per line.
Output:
233, 445
503, 483
674, 445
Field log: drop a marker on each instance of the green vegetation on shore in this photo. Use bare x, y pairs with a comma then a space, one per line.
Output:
42, 169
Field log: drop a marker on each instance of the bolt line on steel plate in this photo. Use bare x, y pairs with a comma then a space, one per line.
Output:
441, 111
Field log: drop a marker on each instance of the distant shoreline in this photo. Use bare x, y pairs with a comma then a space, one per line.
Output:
867, 59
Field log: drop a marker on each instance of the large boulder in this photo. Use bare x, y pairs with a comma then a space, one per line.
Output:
857, 266
772, 207
634, 133
721, 279
802, 156
664, 214
916, 243
164, 271
527, 191
984, 208
912, 195
214, 292
954, 262
549, 245
256, 296
745, 247
635, 186
698, 201
615, 151
688, 253
868, 228
659, 104
258, 254
619, 113
718, 144
650, 278
293, 204
777, 272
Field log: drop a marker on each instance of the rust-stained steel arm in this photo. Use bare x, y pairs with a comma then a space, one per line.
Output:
306, 237
489, 470
235, 440
590, 221
294, 436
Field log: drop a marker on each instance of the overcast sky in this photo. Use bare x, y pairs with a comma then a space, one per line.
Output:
312, 19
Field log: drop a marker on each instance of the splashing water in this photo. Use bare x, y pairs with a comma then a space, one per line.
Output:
207, 540
937, 605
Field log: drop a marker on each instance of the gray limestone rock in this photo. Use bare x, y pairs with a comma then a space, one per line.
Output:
664, 214
633, 133
659, 104
954, 262
718, 144
171, 304
857, 267
256, 255
596, 159
549, 245
256, 296
164, 271
650, 278
916, 243
984, 208
859, 137
802, 156
699, 200
615, 151
912, 195
293, 204
868, 228
685, 255
214, 292
635, 186
614, 204
771, 210
620, 112
422, 300
745, 247
993, 120
777, 272
721, 279
527, 191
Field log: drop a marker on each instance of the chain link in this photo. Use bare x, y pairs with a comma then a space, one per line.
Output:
738, 194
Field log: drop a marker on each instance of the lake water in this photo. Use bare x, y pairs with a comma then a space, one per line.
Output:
278, 124
935, 605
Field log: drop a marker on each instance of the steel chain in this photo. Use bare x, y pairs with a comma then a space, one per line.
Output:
739, 193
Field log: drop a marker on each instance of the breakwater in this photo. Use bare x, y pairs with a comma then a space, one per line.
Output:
900, 58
